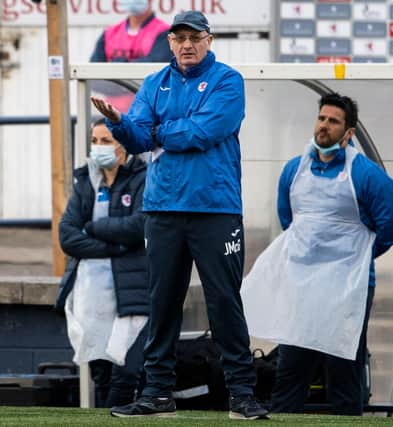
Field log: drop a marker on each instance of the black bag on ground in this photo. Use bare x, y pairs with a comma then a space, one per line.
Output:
200, 382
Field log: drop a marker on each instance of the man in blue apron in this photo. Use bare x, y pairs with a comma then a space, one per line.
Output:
311, 290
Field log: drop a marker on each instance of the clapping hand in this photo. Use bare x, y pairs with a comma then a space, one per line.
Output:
106, 109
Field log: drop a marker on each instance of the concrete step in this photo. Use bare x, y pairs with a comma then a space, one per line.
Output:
380, 332
25, 255
383, 301
381, 361
380, 344
381, 386
383, 308
28, 290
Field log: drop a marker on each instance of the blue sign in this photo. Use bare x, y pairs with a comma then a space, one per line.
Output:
297, 28
333, 46
369, 29
364, 59
334, 11
297, 58
334, 31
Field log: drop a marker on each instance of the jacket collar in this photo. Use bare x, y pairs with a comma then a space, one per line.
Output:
198, 69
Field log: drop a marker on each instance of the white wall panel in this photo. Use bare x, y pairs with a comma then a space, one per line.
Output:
25, 149
81, 42
242, 50
26, 166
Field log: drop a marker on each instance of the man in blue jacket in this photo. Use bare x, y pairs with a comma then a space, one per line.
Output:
189, 115
336, 207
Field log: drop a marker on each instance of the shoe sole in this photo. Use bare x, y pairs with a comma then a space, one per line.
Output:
157, 414
238, 416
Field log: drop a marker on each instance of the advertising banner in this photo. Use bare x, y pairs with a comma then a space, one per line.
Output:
334, 31
221, 13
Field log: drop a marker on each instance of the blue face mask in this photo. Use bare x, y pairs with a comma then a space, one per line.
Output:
328, 150
104, 156
135, 7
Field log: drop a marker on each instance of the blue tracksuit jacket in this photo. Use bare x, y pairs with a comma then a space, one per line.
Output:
198, 117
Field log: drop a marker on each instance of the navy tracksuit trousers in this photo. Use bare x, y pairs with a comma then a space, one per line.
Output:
216, 243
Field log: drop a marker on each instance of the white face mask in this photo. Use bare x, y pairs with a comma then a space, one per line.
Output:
104, 156
135, 7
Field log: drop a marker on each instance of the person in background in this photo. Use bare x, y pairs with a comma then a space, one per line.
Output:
312, 289
189, 114
141, 37
104, 289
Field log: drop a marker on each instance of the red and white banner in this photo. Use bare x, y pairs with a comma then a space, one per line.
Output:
334, 59
334, 29
297, 46
221, 13
370, 11
293, 10
369, 47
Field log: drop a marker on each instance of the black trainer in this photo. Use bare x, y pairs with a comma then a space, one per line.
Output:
246, 408
153, 406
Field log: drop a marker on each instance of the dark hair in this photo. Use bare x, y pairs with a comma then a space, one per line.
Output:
348, 105
98, 122
101, 121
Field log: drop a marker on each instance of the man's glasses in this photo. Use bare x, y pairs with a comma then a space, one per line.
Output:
180, 39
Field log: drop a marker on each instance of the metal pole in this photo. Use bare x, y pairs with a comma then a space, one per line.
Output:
86, 385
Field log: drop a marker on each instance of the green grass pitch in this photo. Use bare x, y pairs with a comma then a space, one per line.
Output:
63, 417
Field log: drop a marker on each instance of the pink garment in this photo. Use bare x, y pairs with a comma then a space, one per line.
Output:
120, 44
121, 102
123, 47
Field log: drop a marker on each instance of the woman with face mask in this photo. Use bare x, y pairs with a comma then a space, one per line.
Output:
104, 289
141, 37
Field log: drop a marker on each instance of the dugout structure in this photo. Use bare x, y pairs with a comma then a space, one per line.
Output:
281, 109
